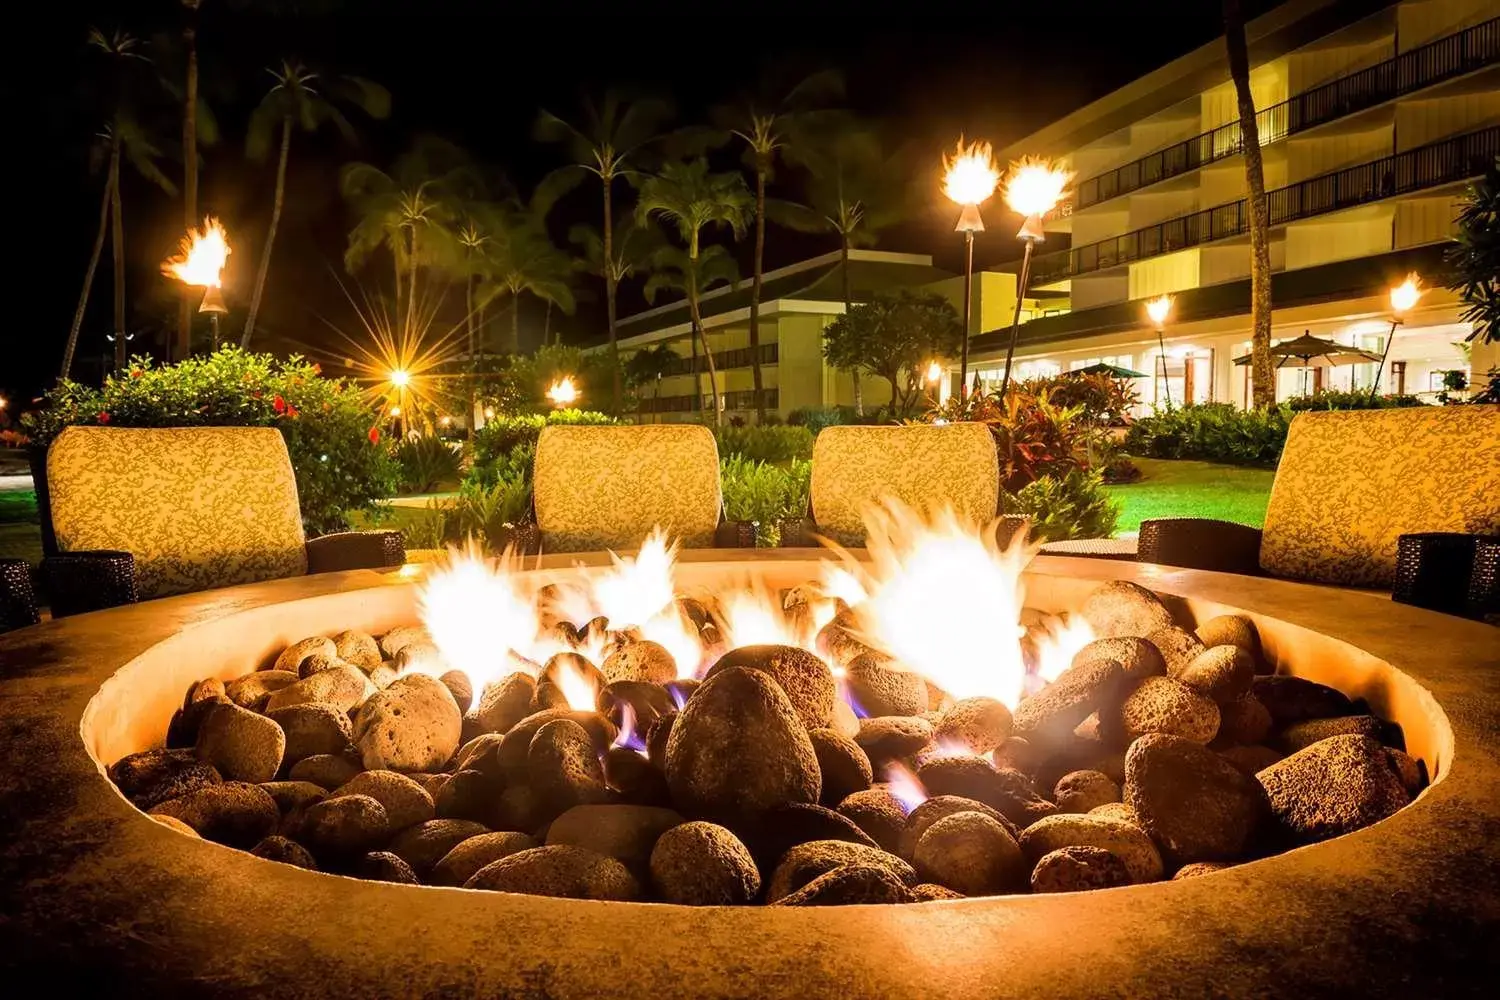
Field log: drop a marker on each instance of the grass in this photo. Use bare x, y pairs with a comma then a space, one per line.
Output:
17, 506
1193, 489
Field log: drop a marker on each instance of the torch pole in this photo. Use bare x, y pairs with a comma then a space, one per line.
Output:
1015, 325
1161, 357
214, 318
963, 356
1375, 388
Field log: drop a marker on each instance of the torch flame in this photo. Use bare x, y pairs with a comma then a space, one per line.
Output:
969, 175
1405, 295
563, 392
200, 256
1035, 186
1159, 308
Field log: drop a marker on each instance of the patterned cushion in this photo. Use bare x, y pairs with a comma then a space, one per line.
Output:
198, 507
924, 466
607, 487
1350, 482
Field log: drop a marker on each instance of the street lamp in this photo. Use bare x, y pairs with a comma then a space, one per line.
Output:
563, 392
969, 178
200, 261
1033, 188
1403, 299
1157, 310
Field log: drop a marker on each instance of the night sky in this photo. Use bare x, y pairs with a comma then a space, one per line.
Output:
476, 74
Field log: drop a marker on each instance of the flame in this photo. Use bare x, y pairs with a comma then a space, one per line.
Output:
575, 687
200, 256
675, 631
934, 372
479, 614
1035, 186
842, 583
1159, 308
905, 786
629, 738
637, 588
1405, 295
945, 600
563, 392
1056, 648
969, 175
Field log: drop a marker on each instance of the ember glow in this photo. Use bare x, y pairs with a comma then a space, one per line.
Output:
969, 175
200, 256
1034, 187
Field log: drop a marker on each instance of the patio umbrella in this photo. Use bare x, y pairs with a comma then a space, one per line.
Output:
1312, 352
1113, 371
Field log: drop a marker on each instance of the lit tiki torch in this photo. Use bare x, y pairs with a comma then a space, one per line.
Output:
563, 393
1404, 298
969, 178
200, 261
1033, 188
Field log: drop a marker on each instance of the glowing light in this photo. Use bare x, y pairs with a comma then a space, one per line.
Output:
752, 617
400, 378
969, 175
479, 613
905, 787
4, 402
934, 372
1034, 186
1405, 295
489, 413
1159, 309
1059, 643
395, 411
563, 392
200, 256
446, 421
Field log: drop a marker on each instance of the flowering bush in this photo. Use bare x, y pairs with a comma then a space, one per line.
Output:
329, 428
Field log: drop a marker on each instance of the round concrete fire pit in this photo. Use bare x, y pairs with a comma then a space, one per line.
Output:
97, 899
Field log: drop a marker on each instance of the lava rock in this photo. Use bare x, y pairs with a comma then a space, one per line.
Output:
1198, 868
511, 756
1122, 608
879, 814
561, 670
936, 808
291, 658
559, 870
432, 783
383, 866
1336, 786
635, 778
626, 833
358, 648
1177, 647
783, 828
317, 662
343, 687
413, 725
1297, 699
1010, 793
1047, 719
645, 703
457, 683
564, 767
805, 679
468, 856
1232, 630
403, 635
233, 813
480, 754
1411, 770
1017, 754
850, 885
658, 735
1252, 759
703, 864
182, 729
879, 688
468, 795
406, 803
1076, 869
970, 853
208, 689
1162, 705
290, 795
421, 657
893, 738
520, 808
1243, 721
1222, 673
312, 729
738, 749
240, 744
805, 862
927, 892
1195, 805
643, 660
978, 725
424, 845
844, 766
1125, 840
1082, 791
326, 770
345, 826
836, 639
1138, 657
154, 776
1304, 734
506, 702
1116, 810
252, 690
288, 852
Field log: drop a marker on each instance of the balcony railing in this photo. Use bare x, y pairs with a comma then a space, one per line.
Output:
739, 357
1444, 162
742, 399
1443, 59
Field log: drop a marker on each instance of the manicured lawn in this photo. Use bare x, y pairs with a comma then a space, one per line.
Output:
17, 506
1193, 489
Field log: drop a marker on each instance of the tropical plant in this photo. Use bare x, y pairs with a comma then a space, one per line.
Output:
488, 512
1474, 257
1071, 505
763, 122
436, 527
1340, 399
1034, 436
764, 443
647, 367
815, 418
895, 337
1262, 376
523, 259
613, 135
689, 199
1106, 401
1213, 432
630, 252
425, 461
762, 492
302, 99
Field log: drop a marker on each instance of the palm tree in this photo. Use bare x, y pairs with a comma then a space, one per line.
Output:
524, 259
687, 196
1262, 375
189, 159
762, 122
88, 275
305, 99
677, 270
650, 364
613, 135
853, 191
630, 253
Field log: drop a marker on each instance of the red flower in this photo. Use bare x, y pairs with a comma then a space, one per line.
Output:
136, 373
374, 434
278, 404
317, 368
292, 411
103, 417
256, 394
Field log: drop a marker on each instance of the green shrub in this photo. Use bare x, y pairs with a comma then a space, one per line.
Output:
484, 512
765, 444
329, 427
815, 418
762, 492
1343, 399
1101, 399
1212, 432
1074, 505
425, 462
436, 528
500, 435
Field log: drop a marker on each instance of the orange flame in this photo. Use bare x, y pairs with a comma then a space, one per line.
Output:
200, 256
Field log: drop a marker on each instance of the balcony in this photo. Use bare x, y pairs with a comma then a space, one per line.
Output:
739, 357
742, 399
1444, 162
1444, 59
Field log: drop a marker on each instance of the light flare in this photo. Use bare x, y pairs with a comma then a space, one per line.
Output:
637, 588
674, 630
200, 256
1035, 186
969, 175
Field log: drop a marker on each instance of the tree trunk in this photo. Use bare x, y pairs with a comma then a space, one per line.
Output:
473, 371
859, 392
88, 277
1262, 375
697, 377
713, 378
411, 285
547, 325
616, 393
189, 169
898, 405
755, 287
117, 249
515, 322
265, 251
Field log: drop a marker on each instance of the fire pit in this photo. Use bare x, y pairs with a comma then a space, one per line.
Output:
103, 895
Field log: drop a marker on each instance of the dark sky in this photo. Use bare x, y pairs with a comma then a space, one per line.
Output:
476, 73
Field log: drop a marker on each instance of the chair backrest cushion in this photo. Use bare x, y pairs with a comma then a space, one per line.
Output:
1350, 482
926, 467
607, 487
198, 507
